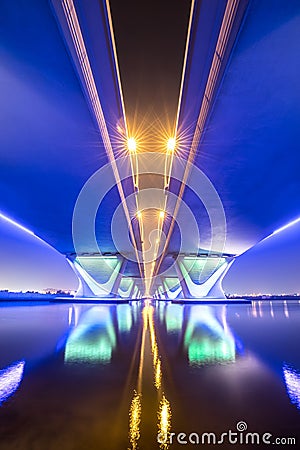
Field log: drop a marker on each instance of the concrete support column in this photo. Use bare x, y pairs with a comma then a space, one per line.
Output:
116, 285
185, 290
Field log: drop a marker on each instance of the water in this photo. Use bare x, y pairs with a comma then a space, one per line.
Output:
84, 377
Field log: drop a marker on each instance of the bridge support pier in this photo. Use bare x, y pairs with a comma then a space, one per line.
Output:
90, 288
116, 285
210, 289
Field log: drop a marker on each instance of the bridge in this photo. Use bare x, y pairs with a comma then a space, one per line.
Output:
155, 209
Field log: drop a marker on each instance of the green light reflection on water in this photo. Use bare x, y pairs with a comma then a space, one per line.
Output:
93, 340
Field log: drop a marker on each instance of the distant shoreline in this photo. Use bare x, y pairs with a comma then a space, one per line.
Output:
60, 297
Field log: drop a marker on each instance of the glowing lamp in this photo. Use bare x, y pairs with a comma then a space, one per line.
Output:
131, 144
161, 214
171, 144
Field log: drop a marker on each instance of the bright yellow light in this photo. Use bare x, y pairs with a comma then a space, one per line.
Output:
161, 214
164, 421
157, 381
139, 214
135, 420
131, 144
155, 354
171, 144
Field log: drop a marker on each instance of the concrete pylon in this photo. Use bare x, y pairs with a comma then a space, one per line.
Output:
211, 288
90, 288
116, 285
87, 287
185, 290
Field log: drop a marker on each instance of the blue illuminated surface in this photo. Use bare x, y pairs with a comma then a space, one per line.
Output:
10, 379
292, 382
253, 122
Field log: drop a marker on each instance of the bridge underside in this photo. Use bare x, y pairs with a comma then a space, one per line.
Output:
231, 172
183, 277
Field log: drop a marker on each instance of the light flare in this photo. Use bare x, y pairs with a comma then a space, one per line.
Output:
134, 162
131, 144
171, 144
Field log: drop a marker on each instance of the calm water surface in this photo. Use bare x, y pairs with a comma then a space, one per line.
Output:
88, 377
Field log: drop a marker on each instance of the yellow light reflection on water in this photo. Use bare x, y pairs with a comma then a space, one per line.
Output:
155, 354
154, 349
164, 409
142, 352
135, 420
164, 422
157, 380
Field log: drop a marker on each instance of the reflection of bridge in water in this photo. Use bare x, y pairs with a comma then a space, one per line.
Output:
94, 335
156, 366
